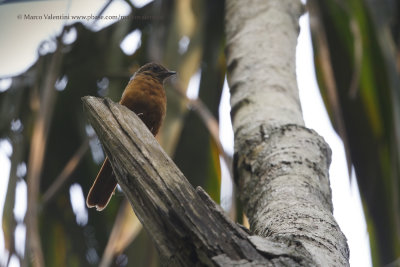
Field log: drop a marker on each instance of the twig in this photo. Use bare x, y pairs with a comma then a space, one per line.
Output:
213, 128
210, 122
65, 173
124, 231
102, 10
37, 153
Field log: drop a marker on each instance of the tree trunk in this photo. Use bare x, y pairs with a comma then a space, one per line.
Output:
280, 166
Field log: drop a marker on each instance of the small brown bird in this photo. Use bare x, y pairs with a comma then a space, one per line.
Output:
144, 95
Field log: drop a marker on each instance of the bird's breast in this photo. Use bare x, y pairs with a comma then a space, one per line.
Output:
146, 97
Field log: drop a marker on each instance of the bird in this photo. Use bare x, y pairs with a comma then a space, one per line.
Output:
144, 95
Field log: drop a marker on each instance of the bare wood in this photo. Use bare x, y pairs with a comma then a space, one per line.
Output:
189, 229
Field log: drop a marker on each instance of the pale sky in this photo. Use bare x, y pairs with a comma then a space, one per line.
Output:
18, 50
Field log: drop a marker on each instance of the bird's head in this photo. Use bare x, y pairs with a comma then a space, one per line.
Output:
155, 70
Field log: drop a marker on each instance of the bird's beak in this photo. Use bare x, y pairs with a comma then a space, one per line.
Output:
167, 74
170, 73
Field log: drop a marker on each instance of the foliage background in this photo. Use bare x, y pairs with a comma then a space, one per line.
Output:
357, 59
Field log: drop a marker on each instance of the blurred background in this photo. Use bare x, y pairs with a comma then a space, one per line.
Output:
54, 52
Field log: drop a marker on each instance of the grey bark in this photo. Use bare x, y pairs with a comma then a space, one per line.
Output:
188, 228
280, 166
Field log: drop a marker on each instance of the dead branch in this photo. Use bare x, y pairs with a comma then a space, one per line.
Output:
189, 229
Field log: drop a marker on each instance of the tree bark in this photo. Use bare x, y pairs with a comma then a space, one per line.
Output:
280, 166
188, 228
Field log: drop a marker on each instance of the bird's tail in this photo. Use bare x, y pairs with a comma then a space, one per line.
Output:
103, 187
